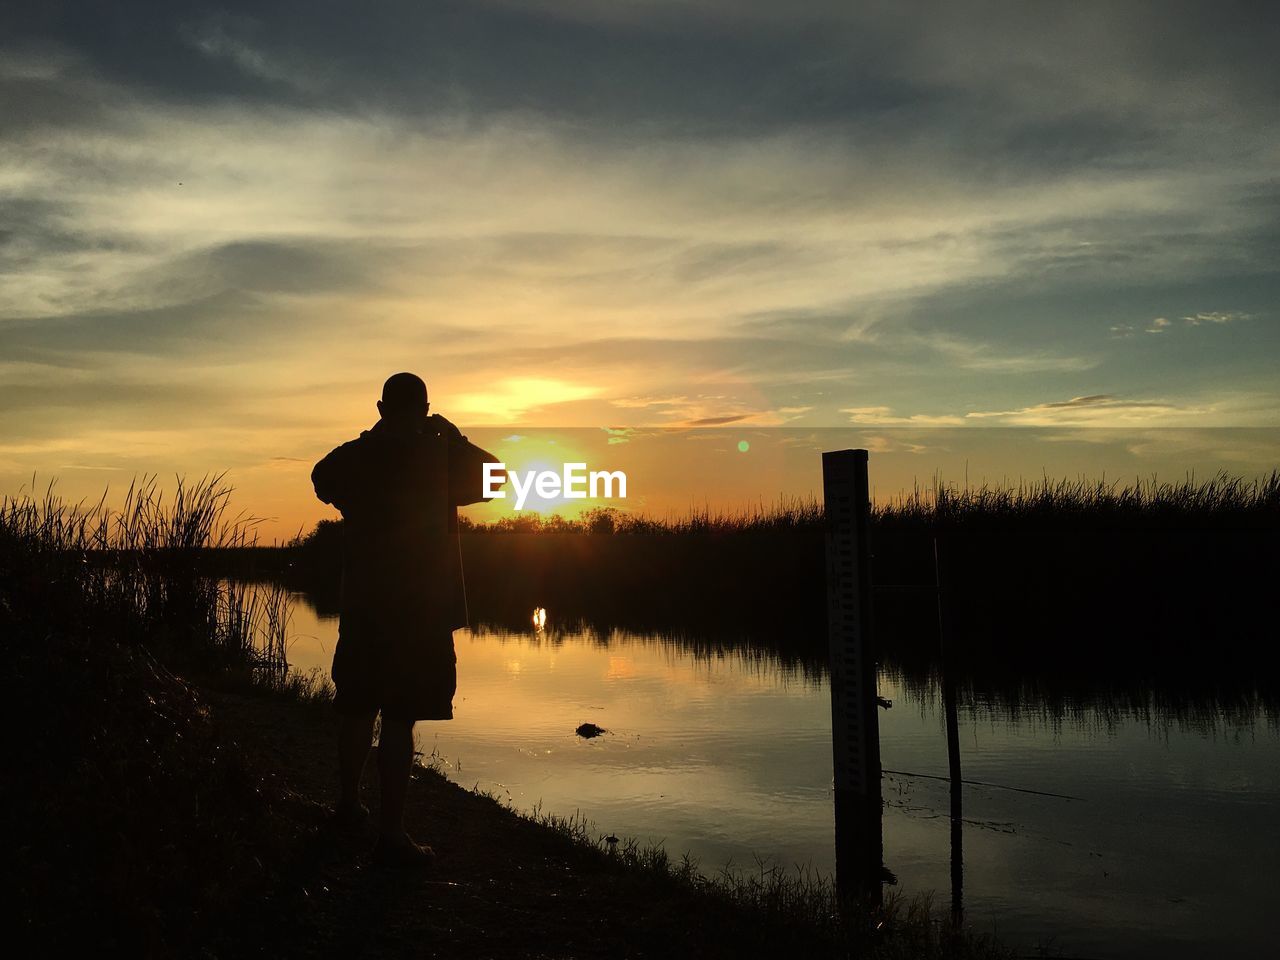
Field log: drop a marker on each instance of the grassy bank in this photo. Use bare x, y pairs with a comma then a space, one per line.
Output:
536, 885
174, 781
127, 811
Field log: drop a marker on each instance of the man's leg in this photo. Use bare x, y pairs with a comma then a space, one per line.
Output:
395, 762
355, 737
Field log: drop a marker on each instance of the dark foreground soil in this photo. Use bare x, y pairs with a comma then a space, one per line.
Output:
503, 886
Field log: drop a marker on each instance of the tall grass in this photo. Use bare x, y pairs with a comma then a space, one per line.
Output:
136, 574
1067, 500
135, 817
1070, 580
942, 503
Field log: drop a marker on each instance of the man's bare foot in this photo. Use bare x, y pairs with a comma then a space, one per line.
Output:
401, 850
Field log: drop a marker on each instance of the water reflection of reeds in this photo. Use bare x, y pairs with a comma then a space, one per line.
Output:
1084, 699
1100, 707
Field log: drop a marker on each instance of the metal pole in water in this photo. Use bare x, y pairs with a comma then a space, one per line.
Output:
855, 726
940, 559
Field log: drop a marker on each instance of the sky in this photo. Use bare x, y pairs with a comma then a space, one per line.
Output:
1027, 238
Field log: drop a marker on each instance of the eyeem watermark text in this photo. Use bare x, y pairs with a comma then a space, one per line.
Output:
572, 483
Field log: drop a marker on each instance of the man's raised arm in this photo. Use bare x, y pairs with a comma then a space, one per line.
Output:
329, 478
466, 467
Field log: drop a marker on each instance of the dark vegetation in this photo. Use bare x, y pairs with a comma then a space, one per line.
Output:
1075, 587
167, 772
135, 815
124, 811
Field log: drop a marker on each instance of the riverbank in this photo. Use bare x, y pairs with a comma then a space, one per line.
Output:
506, 885
172, 778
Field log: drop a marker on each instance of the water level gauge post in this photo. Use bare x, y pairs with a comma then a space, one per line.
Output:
855, 725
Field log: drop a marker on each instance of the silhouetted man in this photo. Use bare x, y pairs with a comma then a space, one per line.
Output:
398, 486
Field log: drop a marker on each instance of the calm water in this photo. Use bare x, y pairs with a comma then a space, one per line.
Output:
1171, 849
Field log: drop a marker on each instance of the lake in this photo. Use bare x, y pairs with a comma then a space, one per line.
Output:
1164, 841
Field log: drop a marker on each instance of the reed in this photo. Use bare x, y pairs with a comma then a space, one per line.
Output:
1041, 579
136, 573
942, 503
1064, 501
139, 820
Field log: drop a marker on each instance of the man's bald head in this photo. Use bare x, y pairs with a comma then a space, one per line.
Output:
404, 398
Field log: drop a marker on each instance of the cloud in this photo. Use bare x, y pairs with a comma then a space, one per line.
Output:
884, 416
1216, 316
1094, 400
1093, 410
619, 435
716, 421
643, 403
215, 42
979, 356
1156, 325
1098, 410
882, 444
1163, 324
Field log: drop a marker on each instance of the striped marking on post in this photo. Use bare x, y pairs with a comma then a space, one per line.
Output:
855, 727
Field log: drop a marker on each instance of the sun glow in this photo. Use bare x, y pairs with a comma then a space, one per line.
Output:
527, 456
515, 397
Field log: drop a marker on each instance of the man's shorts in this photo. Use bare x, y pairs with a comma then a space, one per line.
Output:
384, 663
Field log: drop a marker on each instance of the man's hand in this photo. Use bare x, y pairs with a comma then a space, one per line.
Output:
444, 427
